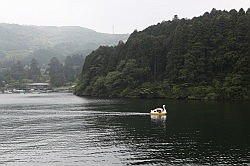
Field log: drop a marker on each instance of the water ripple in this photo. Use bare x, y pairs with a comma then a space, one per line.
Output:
63, 129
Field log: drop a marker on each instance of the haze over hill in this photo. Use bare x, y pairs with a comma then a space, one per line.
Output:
43, 42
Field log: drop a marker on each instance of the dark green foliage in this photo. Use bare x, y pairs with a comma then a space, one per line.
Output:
34, 71
18, 72
61, 74
72, 67
206, 57
56, 73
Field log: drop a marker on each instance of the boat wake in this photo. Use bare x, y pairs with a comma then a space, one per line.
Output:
119, 113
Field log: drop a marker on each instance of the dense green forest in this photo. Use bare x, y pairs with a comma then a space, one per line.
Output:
206, 57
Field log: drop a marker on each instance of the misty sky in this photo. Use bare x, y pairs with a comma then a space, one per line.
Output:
101, 15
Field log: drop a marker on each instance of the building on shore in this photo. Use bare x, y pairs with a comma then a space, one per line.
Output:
38, 86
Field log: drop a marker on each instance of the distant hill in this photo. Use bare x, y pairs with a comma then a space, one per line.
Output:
24, 42
206, 57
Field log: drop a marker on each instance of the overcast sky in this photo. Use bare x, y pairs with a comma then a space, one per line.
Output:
101, 15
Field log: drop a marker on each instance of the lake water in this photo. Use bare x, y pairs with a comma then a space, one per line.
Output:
62, 129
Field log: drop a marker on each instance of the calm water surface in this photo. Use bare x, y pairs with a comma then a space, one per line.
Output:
62, 129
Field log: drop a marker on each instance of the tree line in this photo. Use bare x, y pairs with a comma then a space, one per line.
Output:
61, 74
17, 74
206, 57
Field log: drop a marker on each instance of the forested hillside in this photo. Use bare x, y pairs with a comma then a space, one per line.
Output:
18, 42
205, 57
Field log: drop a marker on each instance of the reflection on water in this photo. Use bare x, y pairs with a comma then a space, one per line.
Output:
62, 129
156, 118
